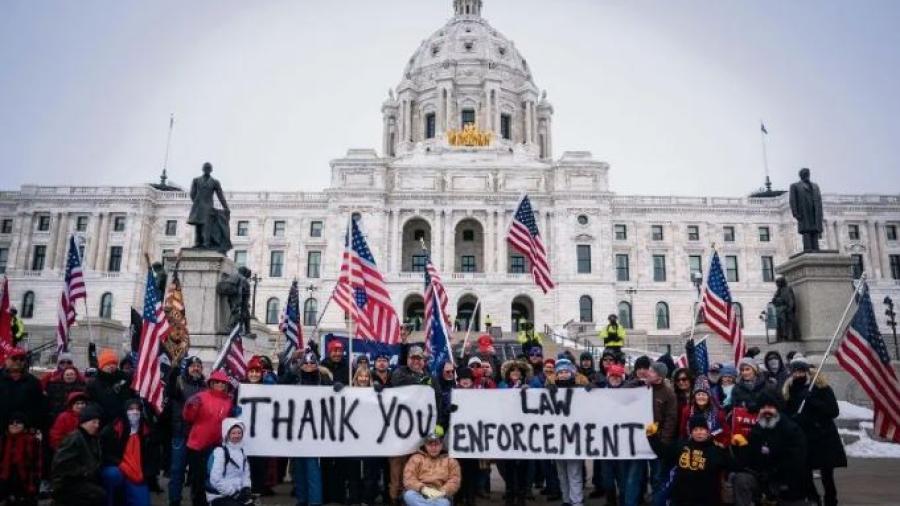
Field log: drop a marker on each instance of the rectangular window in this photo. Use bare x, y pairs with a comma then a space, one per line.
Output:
693, 233
659, 268
276, 264
506, 126
853, 232
313, 264
429, 125
517, 264
731, 269
167, 252
418, 263
768, 268
115, 259
695, 266
468, 235
6, 226
621, 232
728, 233
468, 117
656, 232
118, 224
240, 257
315, 229
764, 235
40, 254
584, 258
622, 273
889, 230
278, 228
895, 267
81, 224
243, 228
171, 227
43, 224
856, 265
4, 258
467, 263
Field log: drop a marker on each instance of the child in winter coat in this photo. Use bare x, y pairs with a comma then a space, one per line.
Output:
67, 421
20, 463
229, 472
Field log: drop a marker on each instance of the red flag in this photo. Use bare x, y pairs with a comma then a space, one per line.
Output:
6, 336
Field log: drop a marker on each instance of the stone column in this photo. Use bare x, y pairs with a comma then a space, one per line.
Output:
490, 241
527, 132
502, 245
93, 240
436, 234
447, 242
52, 243
102, 241
19, 240
62, 243
874, 229
27, 238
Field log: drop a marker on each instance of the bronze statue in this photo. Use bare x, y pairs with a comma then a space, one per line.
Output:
236, 290
160, 279
211, 225
785, 311
806, 206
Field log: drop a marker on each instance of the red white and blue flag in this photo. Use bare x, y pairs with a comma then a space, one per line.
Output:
290, 322
231, 359
523, 236
362, 293
437, 322
73, 289
718, 309
148, 382
863, 354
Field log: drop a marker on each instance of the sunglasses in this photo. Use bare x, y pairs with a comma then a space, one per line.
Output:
683, 379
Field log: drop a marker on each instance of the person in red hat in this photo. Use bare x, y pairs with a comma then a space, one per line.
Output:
259, 466
205, 412
67, 421
336, 362
487, 353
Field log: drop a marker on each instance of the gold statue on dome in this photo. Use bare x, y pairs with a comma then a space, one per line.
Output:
470, 135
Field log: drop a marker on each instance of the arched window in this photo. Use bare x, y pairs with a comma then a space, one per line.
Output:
738, 313
106, 302
586, 309
272, 311
662, 315
310, 312
625, 314
28, 305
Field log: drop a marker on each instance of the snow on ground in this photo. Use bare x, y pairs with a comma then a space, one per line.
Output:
869, 448
851, 411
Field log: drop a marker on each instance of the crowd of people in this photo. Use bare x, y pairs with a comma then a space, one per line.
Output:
751, 434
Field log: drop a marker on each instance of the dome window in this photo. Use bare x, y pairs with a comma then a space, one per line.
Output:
435, 50
582, 219
468, 46
501, 50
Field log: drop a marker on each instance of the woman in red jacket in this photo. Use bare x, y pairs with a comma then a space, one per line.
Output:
67, 421
701, 402
205, 412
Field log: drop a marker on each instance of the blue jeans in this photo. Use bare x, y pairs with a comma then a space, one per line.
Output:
551, 478
635, 482
659, 476
615, 477
177, 468
307, 477
413, 498
113, 482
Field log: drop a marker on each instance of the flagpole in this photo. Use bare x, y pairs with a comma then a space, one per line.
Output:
762, 134
87, 313
837, 331
218, 363
700, 289
351, 332
462, 350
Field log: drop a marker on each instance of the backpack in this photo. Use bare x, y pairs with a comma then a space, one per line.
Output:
228, 460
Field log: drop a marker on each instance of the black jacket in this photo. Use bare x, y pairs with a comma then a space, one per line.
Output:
339, 370
180, 388
110, 391
778, 457
322, 377
747, 396
23, 395
113, 439
405, 376
826, 450
77, 460
698, 470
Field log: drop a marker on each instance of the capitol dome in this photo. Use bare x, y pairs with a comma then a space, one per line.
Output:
467, 72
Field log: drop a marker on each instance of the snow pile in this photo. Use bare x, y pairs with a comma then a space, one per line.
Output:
851, 411
868, 448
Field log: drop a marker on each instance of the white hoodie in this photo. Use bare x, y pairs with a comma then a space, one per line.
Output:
234, 478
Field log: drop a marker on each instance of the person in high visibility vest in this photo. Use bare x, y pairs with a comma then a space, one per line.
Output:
613, 334
526, 331
18, 328
487, 323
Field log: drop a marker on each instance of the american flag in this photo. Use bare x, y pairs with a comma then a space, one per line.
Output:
863, 354
147, 380
73, 289
433, 279
362, 293
290, 322
718, 308
232, 357
523, 235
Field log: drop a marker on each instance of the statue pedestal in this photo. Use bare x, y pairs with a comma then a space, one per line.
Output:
207, 313
823, 283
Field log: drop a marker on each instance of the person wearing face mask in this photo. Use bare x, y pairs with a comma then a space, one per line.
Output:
776, 372
229, 472
124, 445
726, 383
749, 386
825, 451
714, 375
772, 461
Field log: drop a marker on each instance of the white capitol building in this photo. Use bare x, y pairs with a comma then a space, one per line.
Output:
610, 253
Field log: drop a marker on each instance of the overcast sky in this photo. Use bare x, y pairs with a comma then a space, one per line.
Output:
671, 94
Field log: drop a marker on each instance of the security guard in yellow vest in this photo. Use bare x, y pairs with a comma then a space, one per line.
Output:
487, 323
18, 328
613, 334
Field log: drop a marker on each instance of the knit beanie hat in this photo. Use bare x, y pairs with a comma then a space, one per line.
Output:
463, 373
642, 362
728, 370
107, 357
661, 369
90, 412
701, 384
799, 364
748, 361
565, 364
697, 420
65, 357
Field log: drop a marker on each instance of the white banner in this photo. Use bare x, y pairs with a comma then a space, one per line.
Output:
535, 423
308, 421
